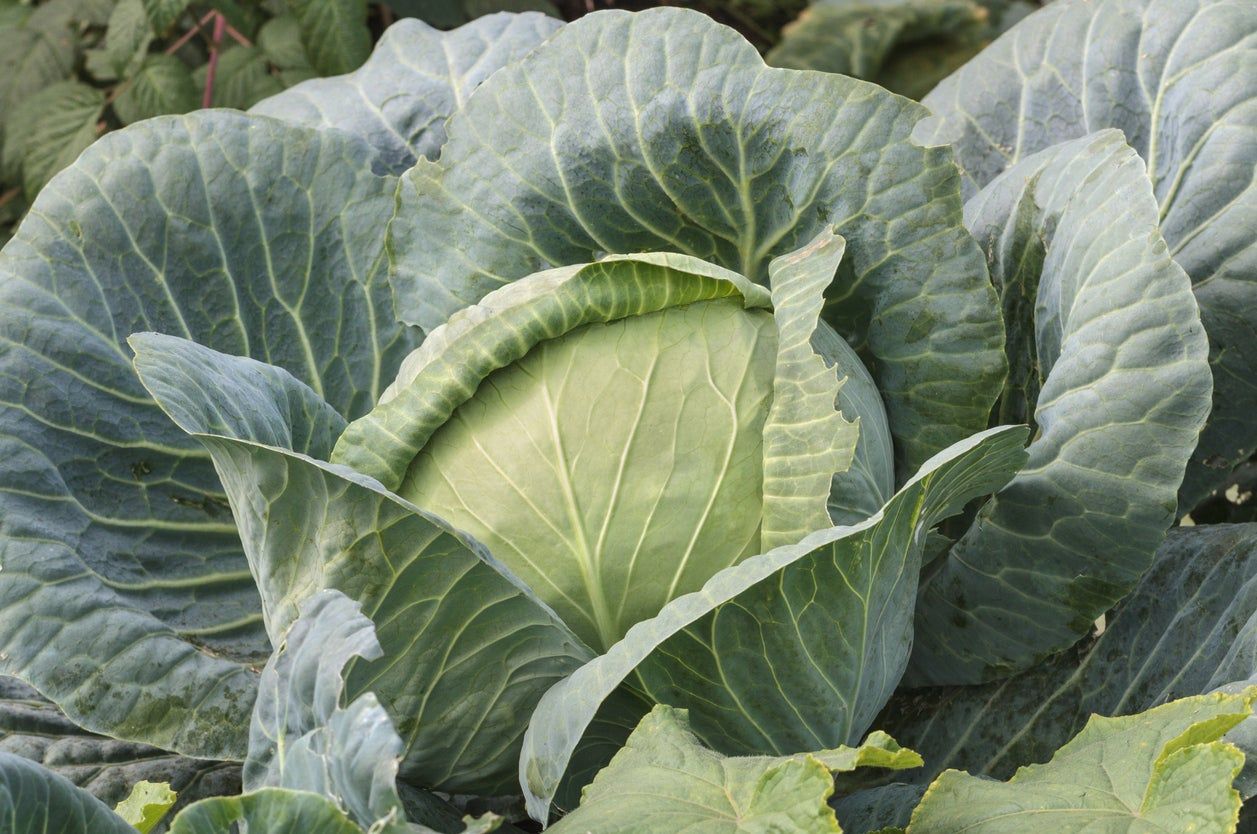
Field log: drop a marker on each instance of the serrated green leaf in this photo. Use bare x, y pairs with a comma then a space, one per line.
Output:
116, 530
242, 78
148, 805
127, 37
34, 800
415, 78
665, 780
49, 130
162, 14
280, 40
1179, 79
163, 85
1162, 770
334, 32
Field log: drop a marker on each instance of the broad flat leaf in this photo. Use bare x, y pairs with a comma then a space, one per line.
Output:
683, 144
162, 85
665, 780
147, 805
125, 595
334, 32
878, 40
1108, 359
265, 812
242, 79
1159, 771
416, 77
468, 650
48, 130
33, 728
1188, 628
1179, 79
826, 620
34, 800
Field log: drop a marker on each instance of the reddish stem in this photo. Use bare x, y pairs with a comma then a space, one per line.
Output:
220, 24
189, 35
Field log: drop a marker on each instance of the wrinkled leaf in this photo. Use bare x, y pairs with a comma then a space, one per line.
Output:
416, 77
467, 650
1108, 359
162, 85
665, 780
334, 32
1179, 79
1162, 770
124, 595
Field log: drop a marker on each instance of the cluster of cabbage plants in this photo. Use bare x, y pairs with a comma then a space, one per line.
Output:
593, 424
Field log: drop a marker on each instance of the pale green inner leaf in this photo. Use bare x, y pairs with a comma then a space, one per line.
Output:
616, 467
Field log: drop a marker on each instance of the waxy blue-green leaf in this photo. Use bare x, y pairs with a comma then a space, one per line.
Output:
124, 592
33, 728
665, 780
416, 77
467, 649
1190, 627
1163, 770
34, 800
1179, 79
688, 143
907, 46
827, 621
303, 738
1108, 359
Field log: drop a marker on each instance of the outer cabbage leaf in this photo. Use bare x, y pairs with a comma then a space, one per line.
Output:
665, 780
1108, 359
33, 728
688, 143
263, 812
1188, 628
124, 595
907, 46
34, 800
415, 78
467, 649
826, 620
1162, 770
1179, 79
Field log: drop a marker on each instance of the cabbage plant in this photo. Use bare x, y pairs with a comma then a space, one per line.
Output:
503, 421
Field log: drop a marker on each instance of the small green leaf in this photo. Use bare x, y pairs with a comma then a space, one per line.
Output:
335, 33
242, 78
163, 86
665, 780
147, 805
163, 13
127, 38
49, 130
280, 40
1163, 770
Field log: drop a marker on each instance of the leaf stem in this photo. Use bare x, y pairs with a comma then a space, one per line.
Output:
220, 24
190, 34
